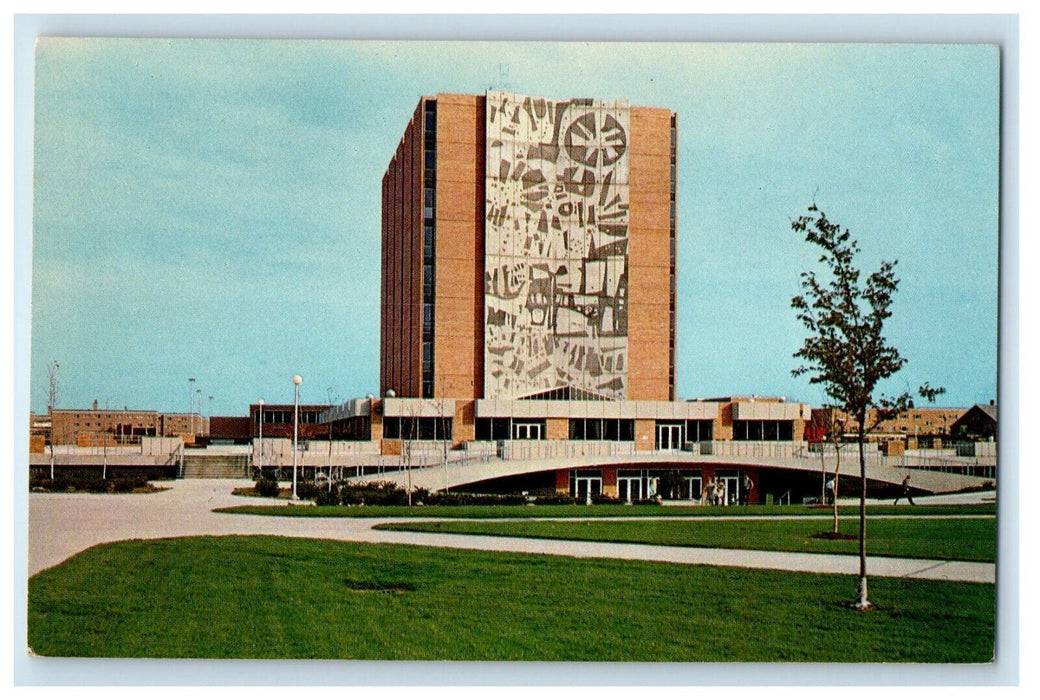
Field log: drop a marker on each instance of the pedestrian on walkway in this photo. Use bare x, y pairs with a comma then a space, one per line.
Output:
906, 492
748, 485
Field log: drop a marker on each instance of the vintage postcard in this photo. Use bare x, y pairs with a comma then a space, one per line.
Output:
514, 351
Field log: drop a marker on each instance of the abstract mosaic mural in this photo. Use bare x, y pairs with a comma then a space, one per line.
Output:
556, 247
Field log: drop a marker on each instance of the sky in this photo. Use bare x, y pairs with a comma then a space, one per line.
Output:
211, 208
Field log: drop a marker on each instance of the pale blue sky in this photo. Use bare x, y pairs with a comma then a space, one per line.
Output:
211, 208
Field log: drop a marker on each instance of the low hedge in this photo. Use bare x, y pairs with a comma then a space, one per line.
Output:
374, 493
387, 493
64, 484
451, 498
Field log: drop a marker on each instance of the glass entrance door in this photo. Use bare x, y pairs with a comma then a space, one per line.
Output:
669, 436
527, 431
731, 488
630, 488
585, 487
693, 488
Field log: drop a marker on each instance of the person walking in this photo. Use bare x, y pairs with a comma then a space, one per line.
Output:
748, 485
906, 492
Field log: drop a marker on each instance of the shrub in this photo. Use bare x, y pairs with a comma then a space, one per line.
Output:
602, 499
350, 496
306, 490
557, 500
373, 493
327, 497
455, 498
97, 486
445, 498
117, 484
122, 485
266, 487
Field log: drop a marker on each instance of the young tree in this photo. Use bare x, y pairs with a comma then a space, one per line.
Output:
52, 401
846, 351
835, 434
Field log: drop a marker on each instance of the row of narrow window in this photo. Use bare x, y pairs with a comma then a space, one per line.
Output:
407, 428
609, 429
287, 416
671, 263
429, 242
763, 430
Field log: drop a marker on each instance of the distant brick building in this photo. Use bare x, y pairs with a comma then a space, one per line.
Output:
919, 423
95, 426
278, 421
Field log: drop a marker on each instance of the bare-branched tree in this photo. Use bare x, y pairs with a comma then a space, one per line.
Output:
52, 401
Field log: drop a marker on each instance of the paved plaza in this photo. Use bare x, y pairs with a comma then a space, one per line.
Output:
61, 525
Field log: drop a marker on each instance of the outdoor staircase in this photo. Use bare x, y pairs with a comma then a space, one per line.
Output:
197, 466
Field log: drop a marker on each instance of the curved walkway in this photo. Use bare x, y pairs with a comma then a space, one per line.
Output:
61, 525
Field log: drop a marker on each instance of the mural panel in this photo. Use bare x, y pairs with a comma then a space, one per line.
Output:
556, 265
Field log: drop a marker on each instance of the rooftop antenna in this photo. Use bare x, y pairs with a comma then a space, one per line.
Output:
503, 77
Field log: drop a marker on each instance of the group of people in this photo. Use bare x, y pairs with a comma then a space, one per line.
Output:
714, 492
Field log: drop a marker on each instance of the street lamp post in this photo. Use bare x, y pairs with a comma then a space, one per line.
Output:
329, 390
202, 425
296, 380
261, 411
191, 403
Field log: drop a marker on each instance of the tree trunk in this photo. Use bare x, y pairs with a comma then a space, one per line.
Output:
408, 464
863, 601
823, 473
834, 485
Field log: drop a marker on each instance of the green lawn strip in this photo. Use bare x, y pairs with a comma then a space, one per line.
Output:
583, 512
271, 597
966, 539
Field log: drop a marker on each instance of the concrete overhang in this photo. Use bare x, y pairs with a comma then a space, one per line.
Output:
400, 407
348, 409
650, 410
771, 410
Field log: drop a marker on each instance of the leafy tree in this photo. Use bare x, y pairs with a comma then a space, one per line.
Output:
846, 351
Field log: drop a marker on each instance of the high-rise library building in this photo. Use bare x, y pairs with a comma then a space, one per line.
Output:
529, 279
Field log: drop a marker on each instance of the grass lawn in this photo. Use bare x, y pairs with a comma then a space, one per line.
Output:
596, 511
221, 597
968, 539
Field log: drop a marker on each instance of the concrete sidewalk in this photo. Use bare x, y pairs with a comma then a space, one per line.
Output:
975, 572
61, 525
